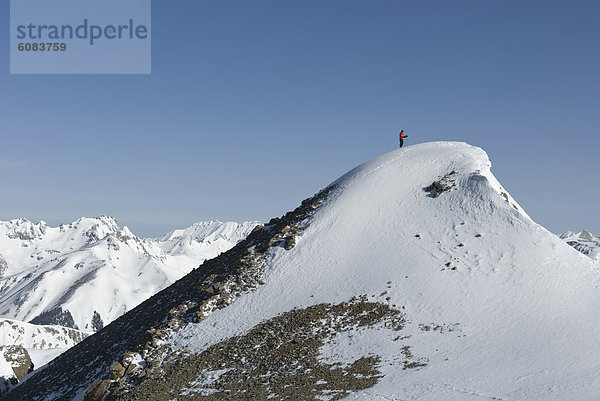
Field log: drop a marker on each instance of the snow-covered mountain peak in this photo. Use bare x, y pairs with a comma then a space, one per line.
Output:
94, 229
585, 242
414, 276
24, 229
126, 232
204, 237
212, 229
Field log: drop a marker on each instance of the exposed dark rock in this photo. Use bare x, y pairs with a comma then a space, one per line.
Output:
97, 322
505, 196
55, 316
98, 391
7, 383
446, 183
3, 266
116, 370
127, 359
290, 242
277, 359
19, 359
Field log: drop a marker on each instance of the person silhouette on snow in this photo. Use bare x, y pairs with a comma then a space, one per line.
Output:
402, 136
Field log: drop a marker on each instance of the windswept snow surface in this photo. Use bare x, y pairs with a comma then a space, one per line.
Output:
497, 306
87, 273
585, 242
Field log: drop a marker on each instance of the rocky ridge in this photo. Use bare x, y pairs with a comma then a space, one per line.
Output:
139, 355
15, 364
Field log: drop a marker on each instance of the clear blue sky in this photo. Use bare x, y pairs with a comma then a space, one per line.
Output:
253, 106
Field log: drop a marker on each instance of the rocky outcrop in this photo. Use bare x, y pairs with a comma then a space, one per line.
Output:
446, 183
55, 317
3, 266
116, 371
277, 359
19, 358
230, 278
15, 364
97, 392
97, 322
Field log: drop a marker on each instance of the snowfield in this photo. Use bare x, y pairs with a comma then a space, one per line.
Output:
497, 307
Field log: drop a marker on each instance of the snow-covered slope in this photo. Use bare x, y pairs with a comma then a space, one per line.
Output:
585, 242
87, 273
414, 276
43, 343
33, 336
25, 347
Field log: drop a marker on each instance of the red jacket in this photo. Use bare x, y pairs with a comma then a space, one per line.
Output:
402, 136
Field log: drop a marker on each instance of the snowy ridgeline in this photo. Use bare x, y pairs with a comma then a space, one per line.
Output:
585, 242
87, 273
414, 276
493, 306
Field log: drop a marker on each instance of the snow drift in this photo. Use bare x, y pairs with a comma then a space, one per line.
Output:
414, 276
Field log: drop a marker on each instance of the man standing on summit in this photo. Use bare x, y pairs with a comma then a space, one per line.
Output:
402, 136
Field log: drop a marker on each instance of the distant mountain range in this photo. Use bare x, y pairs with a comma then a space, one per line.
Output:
85, 274
585, 242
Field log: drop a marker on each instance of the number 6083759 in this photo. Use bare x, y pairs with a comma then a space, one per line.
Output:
42, 47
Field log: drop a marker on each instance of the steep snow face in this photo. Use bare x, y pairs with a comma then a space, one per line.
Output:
496, 306
585, 242
87, 273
